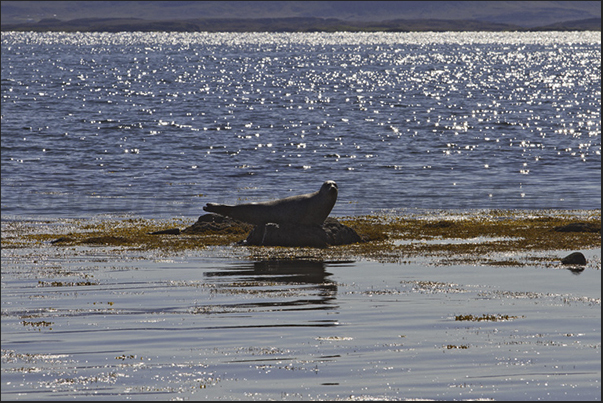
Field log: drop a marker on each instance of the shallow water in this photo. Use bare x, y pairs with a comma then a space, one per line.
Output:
102, 323
160, 124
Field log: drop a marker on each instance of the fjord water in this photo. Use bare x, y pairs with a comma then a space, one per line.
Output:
158, 124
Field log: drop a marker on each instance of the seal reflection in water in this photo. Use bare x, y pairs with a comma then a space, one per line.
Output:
308, 209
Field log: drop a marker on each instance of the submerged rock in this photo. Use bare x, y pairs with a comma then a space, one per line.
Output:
574, 258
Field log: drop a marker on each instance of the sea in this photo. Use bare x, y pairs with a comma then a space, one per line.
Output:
104, 128
158, 124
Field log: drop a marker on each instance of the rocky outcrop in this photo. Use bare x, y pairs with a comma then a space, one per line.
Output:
217, 224
576, 258
339, 234
332, 232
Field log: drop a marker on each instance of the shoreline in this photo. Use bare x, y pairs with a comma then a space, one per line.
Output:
490, 237
292, 24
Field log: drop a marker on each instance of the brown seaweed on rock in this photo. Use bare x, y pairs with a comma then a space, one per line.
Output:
487, 237
217, 224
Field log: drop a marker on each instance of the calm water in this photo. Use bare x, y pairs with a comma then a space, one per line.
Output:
159, 124
102, 324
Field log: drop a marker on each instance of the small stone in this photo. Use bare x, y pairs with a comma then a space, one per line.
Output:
574, 258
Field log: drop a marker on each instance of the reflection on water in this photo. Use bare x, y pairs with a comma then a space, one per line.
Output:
88, 325
280, 271
576, 269
277, 285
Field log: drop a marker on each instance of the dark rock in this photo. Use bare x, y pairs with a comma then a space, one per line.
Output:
287, 235
332, 232
217, 223
578, 227
171, 231
574, 258
339, 234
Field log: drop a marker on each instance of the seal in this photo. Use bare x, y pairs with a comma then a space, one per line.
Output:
307, 209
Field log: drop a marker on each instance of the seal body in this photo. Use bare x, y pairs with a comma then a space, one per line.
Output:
307, 209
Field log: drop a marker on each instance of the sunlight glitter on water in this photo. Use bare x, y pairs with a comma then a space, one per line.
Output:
294, 329
416, 111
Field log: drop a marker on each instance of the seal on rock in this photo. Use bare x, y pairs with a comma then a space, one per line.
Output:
307, 209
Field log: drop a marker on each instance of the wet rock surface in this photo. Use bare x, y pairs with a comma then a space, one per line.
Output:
216, 223
332, 232
576, 258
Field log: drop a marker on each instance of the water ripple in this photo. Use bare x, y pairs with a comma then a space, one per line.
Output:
150, 121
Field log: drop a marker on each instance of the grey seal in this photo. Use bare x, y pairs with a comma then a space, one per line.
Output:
307, 209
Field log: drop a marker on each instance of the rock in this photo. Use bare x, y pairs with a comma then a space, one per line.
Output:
287, 235
217, 223
171, 231
339, 234
578, 227
574, 258
332, 232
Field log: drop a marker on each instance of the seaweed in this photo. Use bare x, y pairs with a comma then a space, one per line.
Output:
484, 237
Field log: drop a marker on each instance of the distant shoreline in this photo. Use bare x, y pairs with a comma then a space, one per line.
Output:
296, 24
